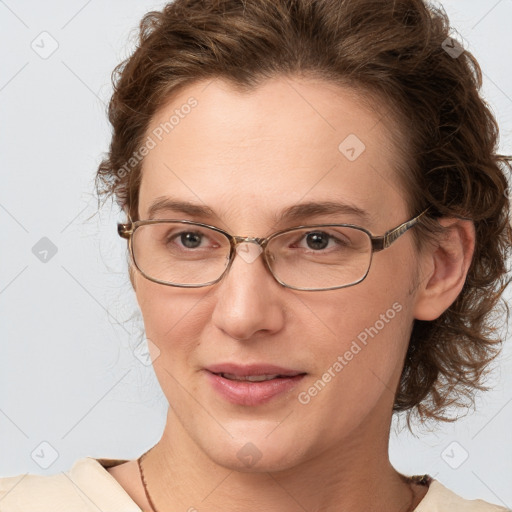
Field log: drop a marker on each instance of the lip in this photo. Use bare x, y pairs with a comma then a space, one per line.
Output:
252, 393
252, 369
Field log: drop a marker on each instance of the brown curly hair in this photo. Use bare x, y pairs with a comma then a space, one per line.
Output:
447, 137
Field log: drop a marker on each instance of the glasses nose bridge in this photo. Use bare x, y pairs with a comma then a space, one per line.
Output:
237, 240
262, 242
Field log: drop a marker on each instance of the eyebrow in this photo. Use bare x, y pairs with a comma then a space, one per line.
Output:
301, 211
292, 213
162, 204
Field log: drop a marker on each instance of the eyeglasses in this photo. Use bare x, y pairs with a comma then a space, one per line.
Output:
317, 257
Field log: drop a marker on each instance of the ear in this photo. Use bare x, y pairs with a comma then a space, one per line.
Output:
444, 267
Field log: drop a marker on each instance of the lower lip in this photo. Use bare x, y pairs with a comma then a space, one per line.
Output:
243, 392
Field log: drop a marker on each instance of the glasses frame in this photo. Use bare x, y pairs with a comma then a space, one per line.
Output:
378, 243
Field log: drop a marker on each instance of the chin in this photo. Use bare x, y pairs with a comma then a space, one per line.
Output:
256, 454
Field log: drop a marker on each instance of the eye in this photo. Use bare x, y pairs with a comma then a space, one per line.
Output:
190, 239
200, 239
319, 240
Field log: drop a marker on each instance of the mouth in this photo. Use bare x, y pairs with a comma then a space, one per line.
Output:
252, 370
254, 378
254, 384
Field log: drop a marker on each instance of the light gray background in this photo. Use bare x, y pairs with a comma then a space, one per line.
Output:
69, 325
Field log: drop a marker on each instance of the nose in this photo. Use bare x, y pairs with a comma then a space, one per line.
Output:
249, 300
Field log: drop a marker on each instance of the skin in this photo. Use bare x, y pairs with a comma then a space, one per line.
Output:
248, 156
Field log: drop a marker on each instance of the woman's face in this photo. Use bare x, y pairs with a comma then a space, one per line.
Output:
248, 157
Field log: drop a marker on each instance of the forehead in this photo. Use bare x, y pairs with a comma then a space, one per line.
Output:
250, 154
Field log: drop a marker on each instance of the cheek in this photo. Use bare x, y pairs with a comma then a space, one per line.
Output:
358, 364
172, 318
367, 332
173, 324
365, 329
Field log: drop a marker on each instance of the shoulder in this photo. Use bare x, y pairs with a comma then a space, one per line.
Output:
87, 486
441, 499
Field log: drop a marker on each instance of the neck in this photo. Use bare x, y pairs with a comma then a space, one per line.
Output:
357, 476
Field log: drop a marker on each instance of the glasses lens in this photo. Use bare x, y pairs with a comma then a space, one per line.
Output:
180, 253
320, 258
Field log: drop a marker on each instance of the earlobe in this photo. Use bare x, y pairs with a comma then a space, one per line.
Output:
448, 262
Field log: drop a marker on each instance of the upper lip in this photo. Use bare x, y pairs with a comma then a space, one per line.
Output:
252, 369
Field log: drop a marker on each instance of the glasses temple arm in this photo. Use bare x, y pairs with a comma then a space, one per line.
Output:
382, 242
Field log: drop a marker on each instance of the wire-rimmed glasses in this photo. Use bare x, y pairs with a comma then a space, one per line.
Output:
314, 257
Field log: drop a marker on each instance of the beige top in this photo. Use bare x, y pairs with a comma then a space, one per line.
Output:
89, 487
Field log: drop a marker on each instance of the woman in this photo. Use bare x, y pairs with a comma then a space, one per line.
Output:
318, 235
